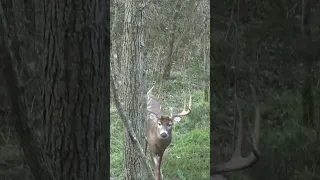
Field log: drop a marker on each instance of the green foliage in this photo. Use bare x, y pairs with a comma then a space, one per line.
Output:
200, 116
185, 26
188, 157
116, 145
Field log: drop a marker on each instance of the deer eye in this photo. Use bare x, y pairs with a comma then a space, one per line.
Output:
159, 123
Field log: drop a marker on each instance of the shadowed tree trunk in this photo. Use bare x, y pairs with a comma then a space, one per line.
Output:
307, 94
69, 93
75, 90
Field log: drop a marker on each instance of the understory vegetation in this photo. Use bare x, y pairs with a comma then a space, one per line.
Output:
165, 45
188, 156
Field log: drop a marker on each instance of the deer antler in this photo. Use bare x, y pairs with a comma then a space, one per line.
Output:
153, 104
185, 112
238, 162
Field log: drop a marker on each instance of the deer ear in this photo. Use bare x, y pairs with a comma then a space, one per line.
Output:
176, 118
152, 116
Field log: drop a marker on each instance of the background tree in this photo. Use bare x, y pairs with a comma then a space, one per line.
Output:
55, 73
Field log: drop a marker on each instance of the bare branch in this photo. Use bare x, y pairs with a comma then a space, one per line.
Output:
129, 128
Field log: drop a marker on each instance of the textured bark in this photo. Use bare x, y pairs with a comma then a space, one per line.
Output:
70, 91
134, 88
75, 90
29, 140
35, 156
307, 92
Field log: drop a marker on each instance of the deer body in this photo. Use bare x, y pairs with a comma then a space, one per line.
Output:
159, 130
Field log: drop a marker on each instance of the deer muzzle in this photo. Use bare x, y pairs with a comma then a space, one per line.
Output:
164, 134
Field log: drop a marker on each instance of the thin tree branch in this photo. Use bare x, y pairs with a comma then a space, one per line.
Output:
128, 126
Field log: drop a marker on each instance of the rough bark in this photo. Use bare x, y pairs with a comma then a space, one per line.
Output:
70, 91
36, 157
134, 98
307, 92
74, 93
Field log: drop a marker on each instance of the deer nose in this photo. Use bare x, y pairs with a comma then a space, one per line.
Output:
163, 135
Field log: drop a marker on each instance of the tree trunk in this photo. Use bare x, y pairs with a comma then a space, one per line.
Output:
75, 90
134, 97
22, 114
170, 58
205, 66
70, 91
307, 94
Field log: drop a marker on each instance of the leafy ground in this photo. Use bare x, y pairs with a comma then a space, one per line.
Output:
189, 155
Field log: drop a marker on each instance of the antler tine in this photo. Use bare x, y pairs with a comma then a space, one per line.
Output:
185, 112
257, 121
237, 162
153, 104
189, 104
150, 90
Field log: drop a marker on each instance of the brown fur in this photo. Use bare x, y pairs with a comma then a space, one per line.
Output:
156, 144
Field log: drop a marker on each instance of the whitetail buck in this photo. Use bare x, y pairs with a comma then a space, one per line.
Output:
159, 129
237, 161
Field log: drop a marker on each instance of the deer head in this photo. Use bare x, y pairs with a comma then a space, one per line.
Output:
159, 129
163, 123
237, 161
